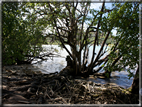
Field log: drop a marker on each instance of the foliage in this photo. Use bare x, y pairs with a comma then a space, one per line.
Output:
128, 36
9, 30
20, 37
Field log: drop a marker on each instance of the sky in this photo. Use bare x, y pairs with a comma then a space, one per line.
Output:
98, 5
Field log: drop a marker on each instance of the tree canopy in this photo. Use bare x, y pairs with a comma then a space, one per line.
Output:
26, 26
20, 37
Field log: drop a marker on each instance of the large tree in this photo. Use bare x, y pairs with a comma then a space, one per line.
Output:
79, 26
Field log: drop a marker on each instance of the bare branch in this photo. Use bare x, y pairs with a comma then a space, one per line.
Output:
62, 42
96, 38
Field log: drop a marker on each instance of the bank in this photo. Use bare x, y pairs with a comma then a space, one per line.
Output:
20, 86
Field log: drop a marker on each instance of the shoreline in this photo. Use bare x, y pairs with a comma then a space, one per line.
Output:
115, 76
29, 87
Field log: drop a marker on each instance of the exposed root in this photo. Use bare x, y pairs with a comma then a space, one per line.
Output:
59, 89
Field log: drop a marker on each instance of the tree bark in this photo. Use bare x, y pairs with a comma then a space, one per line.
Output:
135, 84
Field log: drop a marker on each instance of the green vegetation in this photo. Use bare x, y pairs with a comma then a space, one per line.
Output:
20, 37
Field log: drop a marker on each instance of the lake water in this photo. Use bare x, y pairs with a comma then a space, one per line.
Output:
58, 63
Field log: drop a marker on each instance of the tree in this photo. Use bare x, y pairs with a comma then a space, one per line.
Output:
9, 12
78, 26
127, 24
69, 29
20, 37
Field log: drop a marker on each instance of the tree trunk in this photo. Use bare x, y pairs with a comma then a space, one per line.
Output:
75, 60
135, 84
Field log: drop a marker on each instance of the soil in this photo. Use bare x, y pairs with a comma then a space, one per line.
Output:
20, 86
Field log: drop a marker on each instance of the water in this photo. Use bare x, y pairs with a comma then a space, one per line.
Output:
117, 78
56, 64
